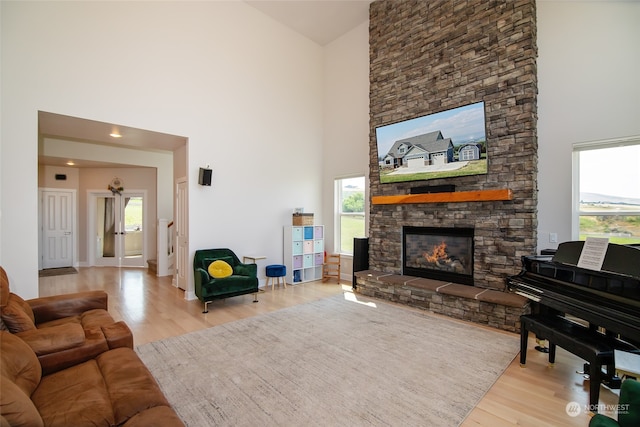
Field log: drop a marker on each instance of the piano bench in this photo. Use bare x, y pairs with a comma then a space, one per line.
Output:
588, 344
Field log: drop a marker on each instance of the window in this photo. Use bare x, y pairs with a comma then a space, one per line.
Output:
607, 190
350, 212
133, 217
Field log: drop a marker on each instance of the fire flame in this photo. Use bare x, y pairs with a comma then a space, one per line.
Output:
438, 254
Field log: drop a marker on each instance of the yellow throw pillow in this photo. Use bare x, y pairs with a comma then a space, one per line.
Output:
220, 269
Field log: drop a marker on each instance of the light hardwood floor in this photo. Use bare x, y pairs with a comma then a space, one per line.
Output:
536, 395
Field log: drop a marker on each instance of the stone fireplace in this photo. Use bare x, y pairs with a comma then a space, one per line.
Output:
427, 57
438, 253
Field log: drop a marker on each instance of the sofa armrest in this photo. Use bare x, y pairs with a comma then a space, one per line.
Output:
55, 307
54, 339
201, 276
118, 335
201, 279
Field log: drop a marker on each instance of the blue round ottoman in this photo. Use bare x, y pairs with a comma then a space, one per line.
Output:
275, 272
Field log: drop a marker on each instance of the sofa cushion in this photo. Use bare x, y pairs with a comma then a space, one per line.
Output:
76, 396
18, 363
17, 314
62, 321
220, 269
96, 318
243, 270
53, 339
230, 285
91, 319
16, 407
94, 344
132, 388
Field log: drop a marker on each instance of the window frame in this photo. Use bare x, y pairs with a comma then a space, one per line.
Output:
577, 148
338, 214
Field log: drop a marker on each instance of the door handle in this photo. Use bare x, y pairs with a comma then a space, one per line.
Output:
67, 233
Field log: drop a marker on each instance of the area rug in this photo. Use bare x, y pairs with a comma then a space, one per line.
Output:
48, 272
332, 362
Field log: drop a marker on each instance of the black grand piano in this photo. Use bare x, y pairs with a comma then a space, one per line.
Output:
587, 312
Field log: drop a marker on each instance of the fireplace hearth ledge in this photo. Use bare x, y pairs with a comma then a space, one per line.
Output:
498, 309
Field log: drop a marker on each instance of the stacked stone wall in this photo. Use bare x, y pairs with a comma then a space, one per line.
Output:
431, 56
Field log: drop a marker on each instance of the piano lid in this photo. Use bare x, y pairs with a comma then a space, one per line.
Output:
620, 259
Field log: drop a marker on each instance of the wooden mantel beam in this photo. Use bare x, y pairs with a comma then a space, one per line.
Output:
453, 197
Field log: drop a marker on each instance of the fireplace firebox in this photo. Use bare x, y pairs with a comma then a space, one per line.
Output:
438, 253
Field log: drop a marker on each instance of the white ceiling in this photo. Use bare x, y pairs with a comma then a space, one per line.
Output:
319, 20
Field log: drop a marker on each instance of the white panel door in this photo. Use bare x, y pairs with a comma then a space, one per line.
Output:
57, 228
182, 235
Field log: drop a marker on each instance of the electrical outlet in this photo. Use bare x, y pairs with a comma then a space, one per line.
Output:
553, 237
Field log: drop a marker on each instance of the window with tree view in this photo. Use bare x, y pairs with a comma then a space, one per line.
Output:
350, 210
608, 190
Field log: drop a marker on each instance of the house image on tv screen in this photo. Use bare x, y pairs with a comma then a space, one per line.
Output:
419, 151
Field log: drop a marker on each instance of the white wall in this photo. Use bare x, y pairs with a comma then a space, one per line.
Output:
245, 91
588, 90
248, 94
346, 120
47, 177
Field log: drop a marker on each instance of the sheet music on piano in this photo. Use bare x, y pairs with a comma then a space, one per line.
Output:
593, 253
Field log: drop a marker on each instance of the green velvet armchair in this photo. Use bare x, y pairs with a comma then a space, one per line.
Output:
628, 408
243, 280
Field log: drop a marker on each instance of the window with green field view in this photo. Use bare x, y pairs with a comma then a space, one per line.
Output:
350, 212
133, 218
607, 182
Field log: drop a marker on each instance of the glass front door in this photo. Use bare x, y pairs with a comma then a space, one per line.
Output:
119, 229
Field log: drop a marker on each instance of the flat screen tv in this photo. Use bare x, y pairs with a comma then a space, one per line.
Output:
441, 145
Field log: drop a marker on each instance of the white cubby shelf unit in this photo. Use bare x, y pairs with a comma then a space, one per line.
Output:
303, 253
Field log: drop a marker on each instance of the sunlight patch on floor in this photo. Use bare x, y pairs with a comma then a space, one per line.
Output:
133, 297
350, 296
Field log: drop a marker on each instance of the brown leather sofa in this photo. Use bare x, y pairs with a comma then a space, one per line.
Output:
113, 389
62, 330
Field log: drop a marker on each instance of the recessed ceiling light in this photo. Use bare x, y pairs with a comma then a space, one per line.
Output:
115, 135
70, 163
